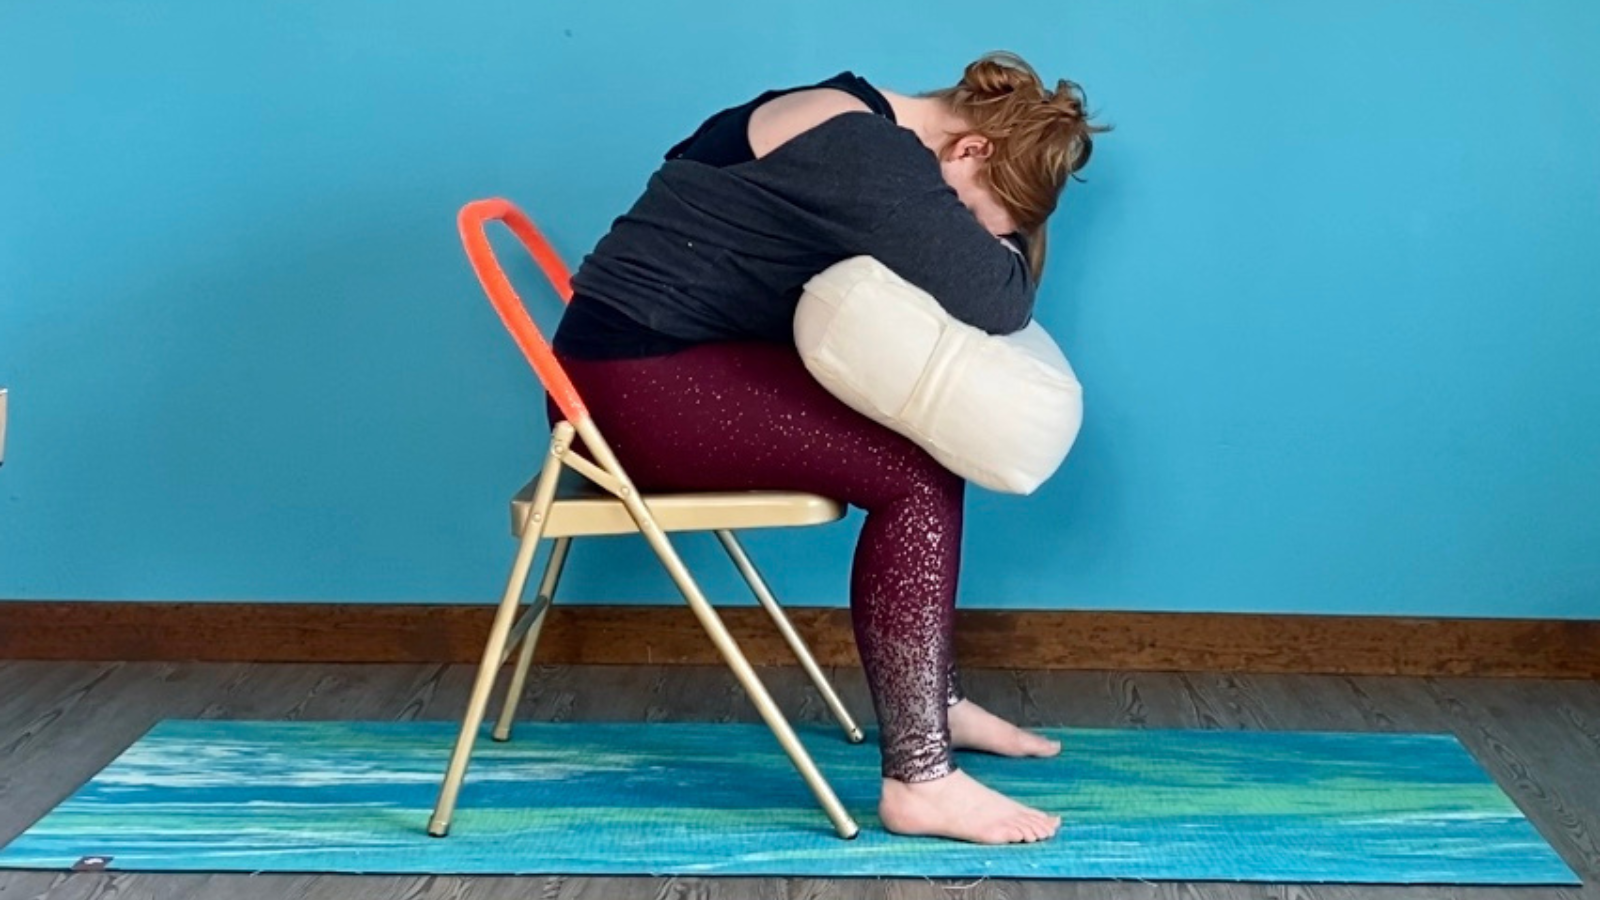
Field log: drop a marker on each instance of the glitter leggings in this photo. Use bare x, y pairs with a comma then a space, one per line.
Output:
747, 416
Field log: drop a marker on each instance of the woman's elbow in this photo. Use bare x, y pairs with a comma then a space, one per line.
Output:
1004, 317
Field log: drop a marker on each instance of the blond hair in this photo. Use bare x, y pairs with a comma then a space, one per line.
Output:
1039, 138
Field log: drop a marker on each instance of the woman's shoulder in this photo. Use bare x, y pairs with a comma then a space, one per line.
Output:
845, 107
866, 151
782, 119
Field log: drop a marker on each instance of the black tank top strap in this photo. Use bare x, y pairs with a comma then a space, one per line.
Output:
858, 87
724, 139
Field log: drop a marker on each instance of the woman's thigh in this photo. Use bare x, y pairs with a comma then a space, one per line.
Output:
744, 416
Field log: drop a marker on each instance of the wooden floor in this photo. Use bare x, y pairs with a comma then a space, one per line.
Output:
62, 722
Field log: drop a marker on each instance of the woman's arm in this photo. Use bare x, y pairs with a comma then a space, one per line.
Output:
882, 195
937, 244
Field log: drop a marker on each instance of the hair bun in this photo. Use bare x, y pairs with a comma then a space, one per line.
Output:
999, 75
1067, 99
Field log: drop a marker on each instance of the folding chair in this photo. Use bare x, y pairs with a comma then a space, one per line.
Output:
560, 506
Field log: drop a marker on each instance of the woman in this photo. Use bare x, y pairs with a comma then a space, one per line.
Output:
679, 339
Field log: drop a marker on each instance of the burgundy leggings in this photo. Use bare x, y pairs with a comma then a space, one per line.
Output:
748, 416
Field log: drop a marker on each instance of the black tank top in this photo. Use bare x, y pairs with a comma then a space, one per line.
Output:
724, 139
595, 330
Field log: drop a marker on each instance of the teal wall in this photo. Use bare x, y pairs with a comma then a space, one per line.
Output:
1327, 290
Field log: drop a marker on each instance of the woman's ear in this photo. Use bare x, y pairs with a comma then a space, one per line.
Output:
974, 146
969, 146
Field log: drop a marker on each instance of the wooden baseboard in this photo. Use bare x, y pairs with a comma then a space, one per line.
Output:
669, 634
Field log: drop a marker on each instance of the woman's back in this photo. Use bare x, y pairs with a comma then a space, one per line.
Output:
759, 199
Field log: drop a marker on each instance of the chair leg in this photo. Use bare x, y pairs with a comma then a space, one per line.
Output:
758, 585
842, 822
450, 790
545, 599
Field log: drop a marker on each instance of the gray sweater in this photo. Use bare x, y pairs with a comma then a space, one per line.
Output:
713, 254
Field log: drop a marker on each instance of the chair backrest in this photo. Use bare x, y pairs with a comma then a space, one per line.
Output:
473, 222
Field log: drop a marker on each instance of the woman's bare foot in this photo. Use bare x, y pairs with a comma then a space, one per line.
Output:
974, 728
957, 806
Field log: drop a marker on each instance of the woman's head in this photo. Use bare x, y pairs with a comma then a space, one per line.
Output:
1017, 146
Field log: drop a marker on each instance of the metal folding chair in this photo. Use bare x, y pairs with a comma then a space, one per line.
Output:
573, 496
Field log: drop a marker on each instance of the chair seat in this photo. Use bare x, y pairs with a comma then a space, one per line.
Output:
581, 509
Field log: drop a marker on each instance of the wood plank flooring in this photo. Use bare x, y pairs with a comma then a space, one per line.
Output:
60, 722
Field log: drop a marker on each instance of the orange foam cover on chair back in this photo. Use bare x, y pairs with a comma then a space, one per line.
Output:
473, 222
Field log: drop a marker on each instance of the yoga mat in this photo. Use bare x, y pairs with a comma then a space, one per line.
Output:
651, 799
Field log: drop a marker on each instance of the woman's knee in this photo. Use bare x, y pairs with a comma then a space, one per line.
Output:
914, 476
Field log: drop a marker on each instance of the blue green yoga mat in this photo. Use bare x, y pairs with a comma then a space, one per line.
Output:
623, 799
